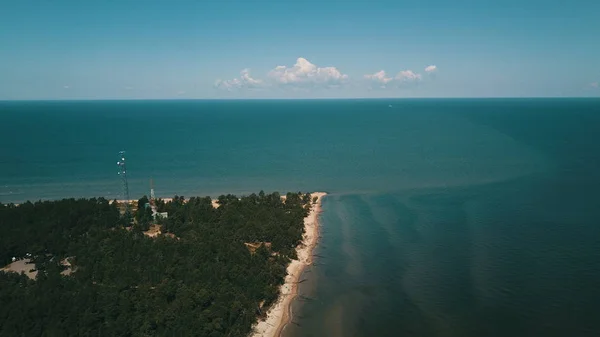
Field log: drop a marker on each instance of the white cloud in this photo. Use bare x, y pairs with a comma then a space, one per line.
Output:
594, 84
304, 73
379, 78
66, 87
404, 78
248, 80
244, 81
304, 76
408, 76
430, 69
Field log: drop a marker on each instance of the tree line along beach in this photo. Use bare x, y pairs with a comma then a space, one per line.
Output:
223, 267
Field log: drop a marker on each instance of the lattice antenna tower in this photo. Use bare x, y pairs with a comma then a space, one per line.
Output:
152, 195
123, 173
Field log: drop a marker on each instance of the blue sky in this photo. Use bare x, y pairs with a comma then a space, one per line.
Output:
290, 49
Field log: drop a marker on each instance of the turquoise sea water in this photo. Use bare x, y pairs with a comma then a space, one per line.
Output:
445, 217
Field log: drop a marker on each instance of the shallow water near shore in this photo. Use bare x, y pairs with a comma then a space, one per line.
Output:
443, 218
439, 263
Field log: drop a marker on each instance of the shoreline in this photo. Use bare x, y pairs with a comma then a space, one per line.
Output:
279, 314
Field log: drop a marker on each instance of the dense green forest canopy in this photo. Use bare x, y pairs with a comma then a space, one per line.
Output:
201, 280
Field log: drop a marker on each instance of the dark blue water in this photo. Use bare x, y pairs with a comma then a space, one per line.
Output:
445, 217
55, 149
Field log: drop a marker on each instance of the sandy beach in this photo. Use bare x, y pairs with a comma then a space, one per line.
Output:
279, 314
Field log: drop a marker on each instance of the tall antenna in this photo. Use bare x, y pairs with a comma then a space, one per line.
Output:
123, 174
152, 196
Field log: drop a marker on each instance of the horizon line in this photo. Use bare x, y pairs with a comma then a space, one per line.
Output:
292, 99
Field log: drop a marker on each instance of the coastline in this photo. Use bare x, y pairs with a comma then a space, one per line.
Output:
279, 315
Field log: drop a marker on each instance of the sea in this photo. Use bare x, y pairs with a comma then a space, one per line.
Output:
445, 217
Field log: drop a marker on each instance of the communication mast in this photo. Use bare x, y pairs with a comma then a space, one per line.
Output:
152, 196
123, 173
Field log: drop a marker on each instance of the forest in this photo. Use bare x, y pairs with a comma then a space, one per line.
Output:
200, 280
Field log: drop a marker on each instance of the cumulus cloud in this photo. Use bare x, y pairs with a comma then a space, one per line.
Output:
404, 78
244, 81
66, 87
379, 78
430, 69
594, 85
408, 76
304, 74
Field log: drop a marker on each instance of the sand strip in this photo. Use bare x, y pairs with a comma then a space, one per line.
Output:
279, 313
